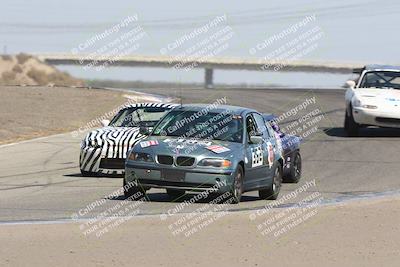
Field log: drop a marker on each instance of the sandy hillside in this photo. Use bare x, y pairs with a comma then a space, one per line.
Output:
23, 69
29, 112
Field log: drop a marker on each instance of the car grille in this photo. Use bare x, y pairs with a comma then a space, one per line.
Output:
162, 183
184, 161
388, 120
165, 159
116, 163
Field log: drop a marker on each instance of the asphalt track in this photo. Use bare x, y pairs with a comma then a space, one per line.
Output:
40, 179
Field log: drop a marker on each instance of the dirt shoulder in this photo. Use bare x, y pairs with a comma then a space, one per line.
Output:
29, 112
358, 234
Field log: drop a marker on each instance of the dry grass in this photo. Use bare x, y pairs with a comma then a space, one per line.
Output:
6, 57
42, 110
8, 77
40, 77
61, 78
17, 69
25, 69
22, 58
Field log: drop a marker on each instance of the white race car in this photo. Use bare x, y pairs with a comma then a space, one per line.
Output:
103, 151
374, 99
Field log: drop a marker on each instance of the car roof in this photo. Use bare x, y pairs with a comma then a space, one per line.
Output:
269, 117
155, 105
382, 67
236, 110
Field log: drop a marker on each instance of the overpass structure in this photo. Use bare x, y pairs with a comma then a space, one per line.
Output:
209, 64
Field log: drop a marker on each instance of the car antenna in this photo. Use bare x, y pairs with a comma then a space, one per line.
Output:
180, 96
180, 91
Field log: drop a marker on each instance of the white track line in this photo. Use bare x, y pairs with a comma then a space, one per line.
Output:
380, 196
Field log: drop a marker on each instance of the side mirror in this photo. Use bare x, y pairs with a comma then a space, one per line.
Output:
256, 139
144, 131
105, 123
350, 84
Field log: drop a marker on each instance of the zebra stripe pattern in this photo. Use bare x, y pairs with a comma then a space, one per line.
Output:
109, 146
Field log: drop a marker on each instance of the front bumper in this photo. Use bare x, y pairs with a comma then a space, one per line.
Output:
376, 118
193, 179
95, 160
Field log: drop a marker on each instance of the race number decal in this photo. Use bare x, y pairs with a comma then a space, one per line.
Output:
257, 156
271, 155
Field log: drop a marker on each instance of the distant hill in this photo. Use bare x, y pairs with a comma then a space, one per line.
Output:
24, 69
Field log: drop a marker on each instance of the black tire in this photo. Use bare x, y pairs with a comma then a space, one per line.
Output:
175, 194
350, 125
87, 174
272, 192
132, 190
237, 187
293, 174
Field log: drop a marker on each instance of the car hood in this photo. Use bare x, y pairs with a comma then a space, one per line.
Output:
112, 136
383, 98
189, 147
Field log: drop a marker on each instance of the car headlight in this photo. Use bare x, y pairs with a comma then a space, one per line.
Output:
218, 163
369, 106
140, 157
358, 103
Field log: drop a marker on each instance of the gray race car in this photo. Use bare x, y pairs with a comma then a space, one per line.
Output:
200, 147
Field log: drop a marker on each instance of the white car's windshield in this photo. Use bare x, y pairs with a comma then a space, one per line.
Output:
381, 79
138, 117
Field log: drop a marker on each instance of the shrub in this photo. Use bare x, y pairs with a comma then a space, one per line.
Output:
17, 69
6, 57
40, 77
8, 77
22, 58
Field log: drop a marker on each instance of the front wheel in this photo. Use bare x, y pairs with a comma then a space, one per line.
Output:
237, 188
175, 194
272, 192
87, 174
131, 189
350, 125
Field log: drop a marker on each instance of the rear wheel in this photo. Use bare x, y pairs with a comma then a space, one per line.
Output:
293, 175
237, 188
272, 192
350, 125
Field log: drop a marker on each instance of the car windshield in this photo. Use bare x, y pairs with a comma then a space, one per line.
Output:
211, 126
138, 117
381, 79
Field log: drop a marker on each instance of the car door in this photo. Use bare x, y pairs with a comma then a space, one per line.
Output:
255, 158
268, 146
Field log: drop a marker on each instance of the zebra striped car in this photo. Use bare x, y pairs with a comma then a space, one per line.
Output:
103, 151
